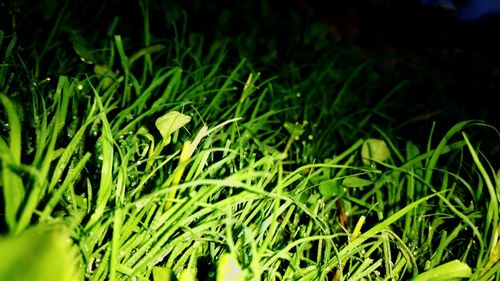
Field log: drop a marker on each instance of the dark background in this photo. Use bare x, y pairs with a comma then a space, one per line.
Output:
453, 66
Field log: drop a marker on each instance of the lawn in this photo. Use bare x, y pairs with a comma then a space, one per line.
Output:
134, 145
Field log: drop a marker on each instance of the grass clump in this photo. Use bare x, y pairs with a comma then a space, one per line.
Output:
166, 158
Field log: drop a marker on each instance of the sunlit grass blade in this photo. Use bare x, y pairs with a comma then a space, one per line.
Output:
448, 271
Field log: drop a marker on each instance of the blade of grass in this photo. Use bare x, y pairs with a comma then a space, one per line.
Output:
106, 183
354, 246
431, 164
492, 213
13, 187
450, 270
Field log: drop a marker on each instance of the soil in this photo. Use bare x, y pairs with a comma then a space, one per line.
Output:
464, 56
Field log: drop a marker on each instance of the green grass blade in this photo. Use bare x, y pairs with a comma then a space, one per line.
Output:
492, 215
12, 184
106, 183
432, 163
354, 245
69, 180
448, 271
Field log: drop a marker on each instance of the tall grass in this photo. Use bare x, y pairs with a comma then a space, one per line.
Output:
248, 167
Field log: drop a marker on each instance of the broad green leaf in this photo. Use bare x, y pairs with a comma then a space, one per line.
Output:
355, 182
374, 149
170, 123
330, 188
38, 255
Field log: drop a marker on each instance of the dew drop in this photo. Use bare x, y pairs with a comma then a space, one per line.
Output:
97, 262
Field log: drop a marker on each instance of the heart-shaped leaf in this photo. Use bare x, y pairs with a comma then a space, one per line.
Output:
355, 182
330, 188
171, 122
374, 149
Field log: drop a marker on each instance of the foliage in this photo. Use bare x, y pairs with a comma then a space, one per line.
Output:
163, 158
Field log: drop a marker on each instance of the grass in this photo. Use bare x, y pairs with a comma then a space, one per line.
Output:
151, 158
